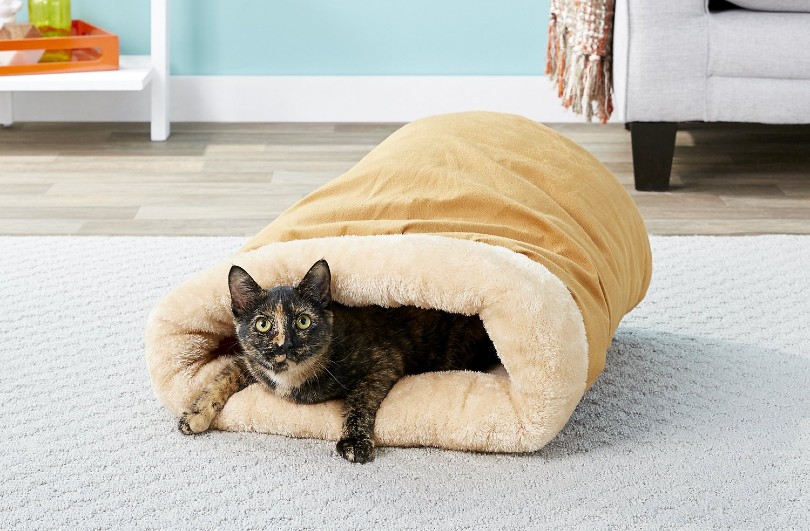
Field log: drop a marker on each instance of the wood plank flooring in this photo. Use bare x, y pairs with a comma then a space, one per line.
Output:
232, 179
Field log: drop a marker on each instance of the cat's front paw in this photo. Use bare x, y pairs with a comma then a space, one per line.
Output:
192, 422
356, 449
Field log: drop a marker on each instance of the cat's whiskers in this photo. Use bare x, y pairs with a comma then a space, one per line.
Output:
336, 362
323, 366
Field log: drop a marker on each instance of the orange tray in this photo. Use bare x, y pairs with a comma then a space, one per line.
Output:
92, 47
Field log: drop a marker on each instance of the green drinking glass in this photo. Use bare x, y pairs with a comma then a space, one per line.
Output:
52, 19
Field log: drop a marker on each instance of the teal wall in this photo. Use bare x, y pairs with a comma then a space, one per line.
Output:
336, 37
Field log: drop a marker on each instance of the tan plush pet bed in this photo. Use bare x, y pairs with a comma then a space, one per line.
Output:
474, 213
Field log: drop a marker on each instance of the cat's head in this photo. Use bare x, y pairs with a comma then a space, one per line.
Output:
287, 328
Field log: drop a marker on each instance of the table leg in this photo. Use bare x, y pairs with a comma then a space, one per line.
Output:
160, 65
6, 109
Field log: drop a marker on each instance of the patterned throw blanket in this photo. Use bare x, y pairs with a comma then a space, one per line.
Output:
579, 55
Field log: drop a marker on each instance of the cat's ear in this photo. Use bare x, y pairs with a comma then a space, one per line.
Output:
244, 290
317, 284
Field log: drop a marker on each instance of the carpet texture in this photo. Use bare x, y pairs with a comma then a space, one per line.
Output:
699, 419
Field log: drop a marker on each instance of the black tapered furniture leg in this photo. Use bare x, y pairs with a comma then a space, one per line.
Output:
653, 146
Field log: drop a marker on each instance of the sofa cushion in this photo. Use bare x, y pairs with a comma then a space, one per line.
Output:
796, 6
759, 45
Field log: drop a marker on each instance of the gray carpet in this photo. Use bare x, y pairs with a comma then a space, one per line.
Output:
700, 419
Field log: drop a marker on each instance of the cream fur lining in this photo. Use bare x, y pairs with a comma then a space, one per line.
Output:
529, 314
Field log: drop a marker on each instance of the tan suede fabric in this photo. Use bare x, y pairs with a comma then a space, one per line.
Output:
474, 213
502, 180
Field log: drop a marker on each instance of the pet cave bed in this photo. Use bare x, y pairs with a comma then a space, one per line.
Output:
473, 213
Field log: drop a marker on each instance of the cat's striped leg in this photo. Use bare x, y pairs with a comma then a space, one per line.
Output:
198, 418
356, 443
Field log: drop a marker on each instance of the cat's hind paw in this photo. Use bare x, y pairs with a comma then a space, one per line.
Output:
192, 422
356, 450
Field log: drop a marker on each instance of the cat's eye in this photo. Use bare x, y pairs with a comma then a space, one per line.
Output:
262, 324
303, 321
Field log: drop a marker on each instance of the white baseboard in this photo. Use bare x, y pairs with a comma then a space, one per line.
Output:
306, 99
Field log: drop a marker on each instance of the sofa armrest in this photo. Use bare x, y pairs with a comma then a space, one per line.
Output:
660, 60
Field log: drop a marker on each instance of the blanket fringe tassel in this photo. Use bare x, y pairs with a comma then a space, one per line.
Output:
583, 81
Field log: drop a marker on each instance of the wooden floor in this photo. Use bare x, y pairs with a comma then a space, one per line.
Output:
232, 179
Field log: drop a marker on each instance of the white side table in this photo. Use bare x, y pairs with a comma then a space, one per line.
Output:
136, 73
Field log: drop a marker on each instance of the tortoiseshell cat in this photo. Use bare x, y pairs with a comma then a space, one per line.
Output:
307, 348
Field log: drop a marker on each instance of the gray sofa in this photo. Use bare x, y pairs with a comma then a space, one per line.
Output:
710, 61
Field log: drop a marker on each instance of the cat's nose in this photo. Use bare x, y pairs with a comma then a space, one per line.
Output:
287, 345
